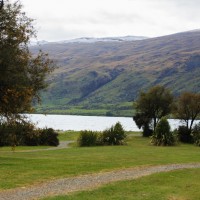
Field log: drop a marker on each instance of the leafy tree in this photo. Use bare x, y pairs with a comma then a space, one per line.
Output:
143, 122
154, 104
22, 75
1, 4
184, 135
162, 135
188, 108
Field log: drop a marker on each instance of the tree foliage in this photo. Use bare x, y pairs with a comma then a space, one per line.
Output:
196, 134
1, 4
153, 105
143, 121
22, 75
184, 135
188, 108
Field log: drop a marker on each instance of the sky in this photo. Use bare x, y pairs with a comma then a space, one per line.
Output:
57, 20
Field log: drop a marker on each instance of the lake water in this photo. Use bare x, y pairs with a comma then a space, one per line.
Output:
95, 123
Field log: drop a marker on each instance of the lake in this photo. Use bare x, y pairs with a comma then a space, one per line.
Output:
95, 123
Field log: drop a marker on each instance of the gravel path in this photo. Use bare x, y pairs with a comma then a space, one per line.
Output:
64, 186
62, 145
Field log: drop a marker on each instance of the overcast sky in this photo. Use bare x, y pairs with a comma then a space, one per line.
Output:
67, 19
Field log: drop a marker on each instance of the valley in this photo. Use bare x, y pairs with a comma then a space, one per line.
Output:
105, 77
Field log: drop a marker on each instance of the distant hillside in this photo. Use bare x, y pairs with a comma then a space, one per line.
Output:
105, 77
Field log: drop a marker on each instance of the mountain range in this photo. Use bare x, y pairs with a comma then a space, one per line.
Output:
104, 76
91, 40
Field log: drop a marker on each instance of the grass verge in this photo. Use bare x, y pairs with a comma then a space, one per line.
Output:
19, 169
176, 185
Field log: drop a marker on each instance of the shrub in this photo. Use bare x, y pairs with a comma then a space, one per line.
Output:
5, 134
48, 136
29, 135
15, 133
25, 133
87, 138
114, 135
162, 135
196, 134
36, 137
184, 134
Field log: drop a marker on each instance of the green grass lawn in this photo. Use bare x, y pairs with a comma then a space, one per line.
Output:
25, 168
21, 148
176, 185
68, 135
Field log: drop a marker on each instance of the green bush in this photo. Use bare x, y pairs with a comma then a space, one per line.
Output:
6, 132
25, 133
87, 138
15, 133
184, 134
29, 135
114, 135
162, 135
48, 137
196, 134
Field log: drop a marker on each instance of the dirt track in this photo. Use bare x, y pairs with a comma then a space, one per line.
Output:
64, 186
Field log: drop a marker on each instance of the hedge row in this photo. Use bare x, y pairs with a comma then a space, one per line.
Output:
25, 133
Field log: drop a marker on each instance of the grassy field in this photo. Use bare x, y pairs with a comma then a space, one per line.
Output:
25, 168
124, 109
176, 185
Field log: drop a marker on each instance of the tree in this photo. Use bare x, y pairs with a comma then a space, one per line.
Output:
1, 4
154, 104
142, 121
187, 108
22, 75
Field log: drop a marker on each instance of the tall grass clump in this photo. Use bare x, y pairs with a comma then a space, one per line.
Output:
162, 135
114, 135
87, 138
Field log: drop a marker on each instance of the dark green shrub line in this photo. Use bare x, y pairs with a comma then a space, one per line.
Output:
112, 136
25, 133
196, 134
162, 136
